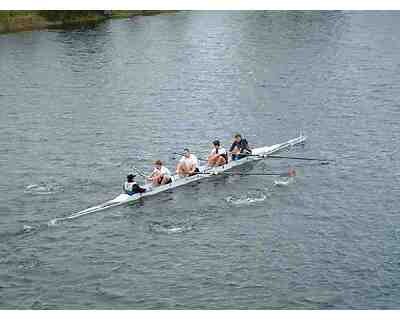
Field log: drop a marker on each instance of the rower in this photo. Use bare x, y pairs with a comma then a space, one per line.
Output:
187, 165
239, 148
218, 155
160, 175
131, 187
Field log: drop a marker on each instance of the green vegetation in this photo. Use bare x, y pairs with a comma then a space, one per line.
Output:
10, 14
12, 21
68, 16
125, 13
131, 13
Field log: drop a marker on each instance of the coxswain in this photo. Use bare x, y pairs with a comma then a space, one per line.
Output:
239, 148
131, 187
160, 175
187, 165
218, 155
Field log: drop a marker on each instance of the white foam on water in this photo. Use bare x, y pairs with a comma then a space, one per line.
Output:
245, 201
43, 188
283, 182
27, 228
170, 228
52, 222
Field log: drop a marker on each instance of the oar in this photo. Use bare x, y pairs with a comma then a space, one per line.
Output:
298, 158
139, 172
285, 157
290, 173
181, 154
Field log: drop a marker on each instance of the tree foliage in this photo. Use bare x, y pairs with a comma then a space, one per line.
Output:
65, 15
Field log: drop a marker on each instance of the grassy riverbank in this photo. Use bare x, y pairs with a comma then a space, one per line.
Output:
130, 13
14, 21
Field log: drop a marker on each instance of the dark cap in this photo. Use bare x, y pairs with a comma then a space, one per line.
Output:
186, 149
237, 135
130, 176
216, 143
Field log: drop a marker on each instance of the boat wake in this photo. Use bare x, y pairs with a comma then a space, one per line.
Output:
239, 201
52, 222
27, 228
43, 188
20, 231
283, 182
170, 228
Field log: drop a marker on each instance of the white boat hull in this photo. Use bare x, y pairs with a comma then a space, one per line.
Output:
179, 181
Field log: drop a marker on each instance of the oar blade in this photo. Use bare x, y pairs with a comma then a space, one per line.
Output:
291, 172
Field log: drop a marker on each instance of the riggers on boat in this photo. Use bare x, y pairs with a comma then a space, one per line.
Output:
205, 172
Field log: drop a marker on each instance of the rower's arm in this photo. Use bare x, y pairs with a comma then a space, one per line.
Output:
151, 175
137, 189
246, 145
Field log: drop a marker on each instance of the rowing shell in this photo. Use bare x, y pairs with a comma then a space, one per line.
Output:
259, 153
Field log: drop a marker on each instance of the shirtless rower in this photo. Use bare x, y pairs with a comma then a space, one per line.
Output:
187, 165
218, 155
160, 175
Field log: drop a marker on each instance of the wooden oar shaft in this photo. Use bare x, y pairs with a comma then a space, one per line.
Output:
282, 157
296, 158
246, 174
260, 174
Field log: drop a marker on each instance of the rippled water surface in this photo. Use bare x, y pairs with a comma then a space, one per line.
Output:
79, 107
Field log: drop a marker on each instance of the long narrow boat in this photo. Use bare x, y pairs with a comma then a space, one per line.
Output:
257, 154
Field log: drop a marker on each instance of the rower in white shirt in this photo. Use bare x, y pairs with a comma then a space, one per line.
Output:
218, 155
160, 175
187, 165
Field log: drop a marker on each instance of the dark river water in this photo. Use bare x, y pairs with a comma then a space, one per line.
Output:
80, 107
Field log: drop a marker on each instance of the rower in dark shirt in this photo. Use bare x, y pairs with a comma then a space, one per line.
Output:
131, 187
239, 148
